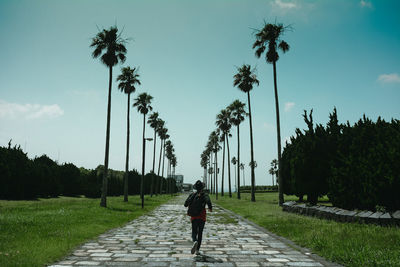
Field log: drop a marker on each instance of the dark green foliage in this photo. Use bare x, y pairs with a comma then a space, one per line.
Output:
367, 172
357, 166
23, 178
305, 162
15, 174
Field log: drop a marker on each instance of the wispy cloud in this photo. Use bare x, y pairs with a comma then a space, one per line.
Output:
29, 111
289, 106
389, 78
366, 4
285, 5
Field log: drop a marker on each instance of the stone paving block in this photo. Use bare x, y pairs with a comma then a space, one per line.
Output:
126, 259
87, 263
304, 264
101, 254
278, 260
101, 258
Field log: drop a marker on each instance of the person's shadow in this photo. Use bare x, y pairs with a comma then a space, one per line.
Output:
205, 258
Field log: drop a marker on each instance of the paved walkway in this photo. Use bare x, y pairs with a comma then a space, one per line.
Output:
162, 238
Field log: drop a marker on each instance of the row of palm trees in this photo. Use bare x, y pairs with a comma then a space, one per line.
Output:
110, 47
268, 42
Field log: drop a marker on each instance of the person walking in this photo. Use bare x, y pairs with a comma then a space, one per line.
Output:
196, 203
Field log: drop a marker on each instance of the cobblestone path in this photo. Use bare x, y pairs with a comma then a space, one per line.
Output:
162, 238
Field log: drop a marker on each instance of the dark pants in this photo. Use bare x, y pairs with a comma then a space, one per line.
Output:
197, 231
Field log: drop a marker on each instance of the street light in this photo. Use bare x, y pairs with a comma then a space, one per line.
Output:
143, 164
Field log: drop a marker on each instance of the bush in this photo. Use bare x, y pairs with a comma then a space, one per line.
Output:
357, 166
367, 172
22, 178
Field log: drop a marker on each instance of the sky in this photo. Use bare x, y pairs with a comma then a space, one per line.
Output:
53, 94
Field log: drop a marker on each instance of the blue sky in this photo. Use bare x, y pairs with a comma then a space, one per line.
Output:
53, 94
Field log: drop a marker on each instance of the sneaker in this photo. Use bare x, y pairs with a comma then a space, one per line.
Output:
194, 248
197, 252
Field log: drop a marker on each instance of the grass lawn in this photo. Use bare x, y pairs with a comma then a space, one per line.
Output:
350, 244
35, 233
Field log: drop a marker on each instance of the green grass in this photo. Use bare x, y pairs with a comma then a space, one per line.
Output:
35, 233
350, 244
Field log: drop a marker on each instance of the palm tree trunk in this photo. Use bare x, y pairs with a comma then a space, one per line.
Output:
211, 174
162, 173
143, 157
205, 176
216, 176
159, 161
253, 178
229, 166
278, 130
238, 164
154, 162
159, 186
223, 169
103, 201
127, 152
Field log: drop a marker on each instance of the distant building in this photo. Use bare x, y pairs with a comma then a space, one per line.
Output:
179, 181
187, 187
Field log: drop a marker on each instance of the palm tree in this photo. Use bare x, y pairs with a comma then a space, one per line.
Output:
223, 123
203, 164
274, 169
169, 150
244, 80
115, 51
234, 163
238, 113
269, 36
143, 104
128, 78
271, 171
242, 168
153, 121
162, 132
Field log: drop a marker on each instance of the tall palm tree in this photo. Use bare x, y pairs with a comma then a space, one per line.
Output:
234, 163
272, 172
270, 36
128, 78
238, 113
242, 168
143, 105
114, 52
223, 123
274, 167
162, 131
160, 127
165, 146
153, 121
163, 136
169, 149
203, 164
244, 80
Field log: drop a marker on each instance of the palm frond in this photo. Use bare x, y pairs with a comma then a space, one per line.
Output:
284, 46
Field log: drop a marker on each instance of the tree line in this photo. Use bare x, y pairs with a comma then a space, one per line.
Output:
41, 177
267, 42
109, 46
357, 166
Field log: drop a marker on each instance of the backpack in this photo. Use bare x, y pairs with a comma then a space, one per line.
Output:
196, 205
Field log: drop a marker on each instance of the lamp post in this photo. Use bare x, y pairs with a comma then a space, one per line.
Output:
143, 164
